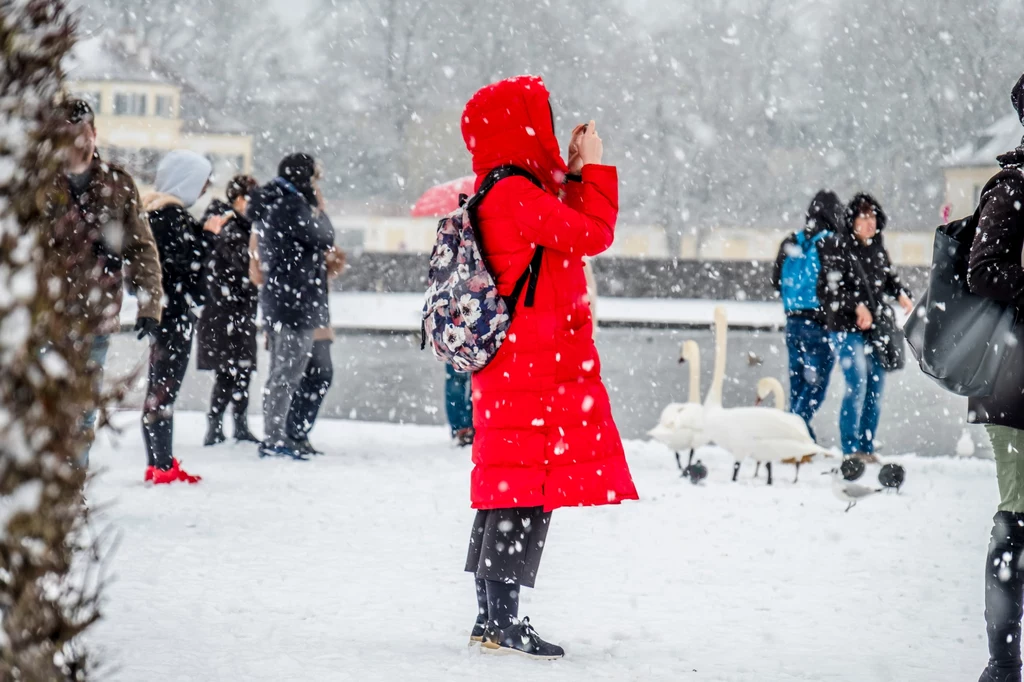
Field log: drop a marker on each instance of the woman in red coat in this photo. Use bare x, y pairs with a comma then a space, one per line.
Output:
545, 437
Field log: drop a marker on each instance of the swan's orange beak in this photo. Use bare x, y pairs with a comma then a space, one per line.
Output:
758, 402
682, 361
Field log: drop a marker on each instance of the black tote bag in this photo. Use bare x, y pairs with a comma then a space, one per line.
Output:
959, 338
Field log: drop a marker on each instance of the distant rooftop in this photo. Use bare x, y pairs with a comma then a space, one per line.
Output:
1000, 137
104, 58
110, 57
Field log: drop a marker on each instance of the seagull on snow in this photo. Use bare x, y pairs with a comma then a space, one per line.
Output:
848, 491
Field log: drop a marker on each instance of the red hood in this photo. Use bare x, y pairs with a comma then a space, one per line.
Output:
509, 123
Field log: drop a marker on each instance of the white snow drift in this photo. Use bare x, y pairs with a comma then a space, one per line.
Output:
349, 567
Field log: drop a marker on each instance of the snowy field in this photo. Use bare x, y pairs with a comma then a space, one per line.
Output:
349, 567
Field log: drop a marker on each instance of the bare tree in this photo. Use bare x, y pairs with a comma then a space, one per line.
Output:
45, 384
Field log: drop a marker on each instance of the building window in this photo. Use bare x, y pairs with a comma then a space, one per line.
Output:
129, 104
141, 163
164, 106
95, 100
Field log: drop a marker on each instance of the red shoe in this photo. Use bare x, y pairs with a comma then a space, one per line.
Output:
173, 475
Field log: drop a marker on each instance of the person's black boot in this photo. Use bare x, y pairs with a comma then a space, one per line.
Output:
519, 638
242, 432
214, 430
1004, 584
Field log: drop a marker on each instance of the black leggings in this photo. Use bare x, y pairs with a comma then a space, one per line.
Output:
168, 360
504, 554
231, 387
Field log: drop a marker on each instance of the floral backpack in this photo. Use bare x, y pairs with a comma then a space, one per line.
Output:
464, 317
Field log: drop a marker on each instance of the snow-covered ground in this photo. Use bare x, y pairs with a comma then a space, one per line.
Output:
349, 567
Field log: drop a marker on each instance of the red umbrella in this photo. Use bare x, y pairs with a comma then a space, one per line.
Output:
441, 200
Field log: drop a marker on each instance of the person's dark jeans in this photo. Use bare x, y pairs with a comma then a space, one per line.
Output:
309, 396
168, 360
811, 359
97, 361
458, 399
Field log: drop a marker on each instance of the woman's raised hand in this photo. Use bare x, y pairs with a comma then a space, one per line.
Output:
591, 147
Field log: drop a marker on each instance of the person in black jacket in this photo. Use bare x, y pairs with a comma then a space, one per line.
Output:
846, 299
181, 178
226, 337
807, 338
293, 237
996, 271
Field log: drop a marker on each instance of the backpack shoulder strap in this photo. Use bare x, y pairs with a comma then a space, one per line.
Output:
528, 279
496, 176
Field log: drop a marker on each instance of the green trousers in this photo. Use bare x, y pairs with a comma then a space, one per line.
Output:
1008, 447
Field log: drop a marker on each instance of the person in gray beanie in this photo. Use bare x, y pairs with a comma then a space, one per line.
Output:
181, 178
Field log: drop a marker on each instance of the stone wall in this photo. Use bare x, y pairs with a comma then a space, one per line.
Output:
626, 277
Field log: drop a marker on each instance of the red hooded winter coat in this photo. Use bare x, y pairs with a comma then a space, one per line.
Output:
544, 429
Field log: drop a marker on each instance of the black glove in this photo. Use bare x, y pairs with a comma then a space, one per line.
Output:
146, 326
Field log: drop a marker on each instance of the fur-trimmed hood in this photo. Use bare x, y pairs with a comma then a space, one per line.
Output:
154, 201
851, 208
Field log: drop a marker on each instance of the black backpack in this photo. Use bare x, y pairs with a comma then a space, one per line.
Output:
959, 338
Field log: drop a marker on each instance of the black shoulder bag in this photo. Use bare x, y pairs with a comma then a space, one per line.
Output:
959, 338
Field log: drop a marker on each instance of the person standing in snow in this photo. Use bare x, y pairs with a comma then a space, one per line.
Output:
795, 276
545, 436
104, 236
293, 238
996, 272
847, 300
319, 374
226, 336
181, 178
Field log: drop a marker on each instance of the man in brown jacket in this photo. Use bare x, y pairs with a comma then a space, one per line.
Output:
104, 237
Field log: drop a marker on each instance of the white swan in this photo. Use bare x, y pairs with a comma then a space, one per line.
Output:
762, 433
676, 427
770, 386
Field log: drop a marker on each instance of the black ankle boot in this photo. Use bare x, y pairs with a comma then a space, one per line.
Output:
214, 430
1004, 585
242, 432
519, 638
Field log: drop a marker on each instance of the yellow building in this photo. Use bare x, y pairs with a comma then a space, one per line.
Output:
143, 111
971, 166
